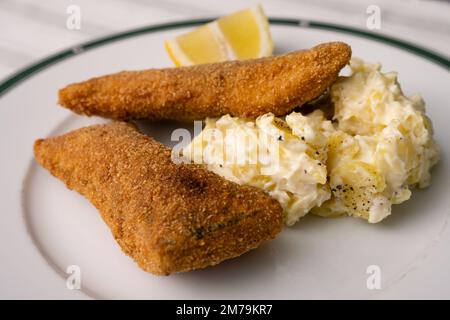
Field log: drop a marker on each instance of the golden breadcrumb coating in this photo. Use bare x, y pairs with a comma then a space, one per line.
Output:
245, 89
167, 217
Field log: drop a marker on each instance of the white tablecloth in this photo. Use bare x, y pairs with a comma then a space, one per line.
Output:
30, 30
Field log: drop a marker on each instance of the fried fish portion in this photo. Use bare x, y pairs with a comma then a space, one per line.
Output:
245, 89
167, 217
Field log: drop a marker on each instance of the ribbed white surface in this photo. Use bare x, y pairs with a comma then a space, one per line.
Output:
30, 30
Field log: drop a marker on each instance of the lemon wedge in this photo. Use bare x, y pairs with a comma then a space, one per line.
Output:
242, 35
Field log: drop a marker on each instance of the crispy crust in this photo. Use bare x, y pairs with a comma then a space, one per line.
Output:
167, 217
240, 88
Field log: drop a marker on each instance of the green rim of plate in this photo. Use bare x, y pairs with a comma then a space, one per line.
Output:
26, 72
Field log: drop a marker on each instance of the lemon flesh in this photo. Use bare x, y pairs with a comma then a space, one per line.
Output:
200, 46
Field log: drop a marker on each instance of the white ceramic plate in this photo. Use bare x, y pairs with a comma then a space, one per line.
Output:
45, 227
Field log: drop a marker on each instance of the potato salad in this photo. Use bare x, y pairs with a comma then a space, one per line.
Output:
376, 148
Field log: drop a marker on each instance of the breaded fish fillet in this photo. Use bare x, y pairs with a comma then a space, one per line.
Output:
167, 217
241, 88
